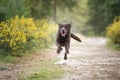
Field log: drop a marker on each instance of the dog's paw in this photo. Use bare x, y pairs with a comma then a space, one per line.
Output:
59, 50
65, 58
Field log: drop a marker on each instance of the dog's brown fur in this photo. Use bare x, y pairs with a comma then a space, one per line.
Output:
63, 38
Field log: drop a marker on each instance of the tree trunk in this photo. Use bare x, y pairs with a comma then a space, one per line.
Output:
55, 11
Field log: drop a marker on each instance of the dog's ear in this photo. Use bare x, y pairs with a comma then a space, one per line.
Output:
58, 24
69, 24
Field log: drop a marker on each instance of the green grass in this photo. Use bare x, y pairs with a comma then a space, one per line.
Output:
46, 74
13, 57
48, 71
8, 59
113, 46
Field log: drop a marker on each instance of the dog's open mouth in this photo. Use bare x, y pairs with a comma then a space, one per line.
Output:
63, 33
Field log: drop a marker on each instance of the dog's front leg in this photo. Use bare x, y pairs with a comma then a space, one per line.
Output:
59, 48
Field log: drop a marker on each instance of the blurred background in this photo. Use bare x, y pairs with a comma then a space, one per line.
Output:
87, 16
31, 22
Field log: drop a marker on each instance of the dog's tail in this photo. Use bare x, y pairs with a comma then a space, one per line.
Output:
75, 37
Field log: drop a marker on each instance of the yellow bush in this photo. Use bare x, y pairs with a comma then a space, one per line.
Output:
11, 36
25, 33
113, 31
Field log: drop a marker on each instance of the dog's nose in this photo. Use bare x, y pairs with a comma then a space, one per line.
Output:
63, 30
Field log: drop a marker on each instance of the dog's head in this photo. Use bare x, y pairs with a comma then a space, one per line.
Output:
64, 29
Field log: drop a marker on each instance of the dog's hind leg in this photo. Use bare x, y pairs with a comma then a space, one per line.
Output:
67, 49
65, 56
59, 48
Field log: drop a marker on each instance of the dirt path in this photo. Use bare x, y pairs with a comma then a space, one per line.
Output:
89, 60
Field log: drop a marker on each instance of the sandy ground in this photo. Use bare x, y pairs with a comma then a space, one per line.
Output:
89, 60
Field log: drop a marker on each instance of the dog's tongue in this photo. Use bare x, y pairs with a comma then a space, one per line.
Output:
63, 34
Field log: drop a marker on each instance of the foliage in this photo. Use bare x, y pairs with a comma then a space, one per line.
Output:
44, 8
21, 34
101, 13
10, 8
38, 9
77, 14
113, 46
113, 31
86, 15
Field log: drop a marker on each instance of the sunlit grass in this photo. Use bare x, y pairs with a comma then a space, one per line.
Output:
46, 74
47, 71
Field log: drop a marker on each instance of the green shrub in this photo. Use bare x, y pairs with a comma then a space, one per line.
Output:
22, 34
113, 31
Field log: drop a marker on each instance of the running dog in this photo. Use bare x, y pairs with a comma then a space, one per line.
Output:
63, 38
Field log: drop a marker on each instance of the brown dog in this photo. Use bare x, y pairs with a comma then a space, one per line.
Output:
63, 38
